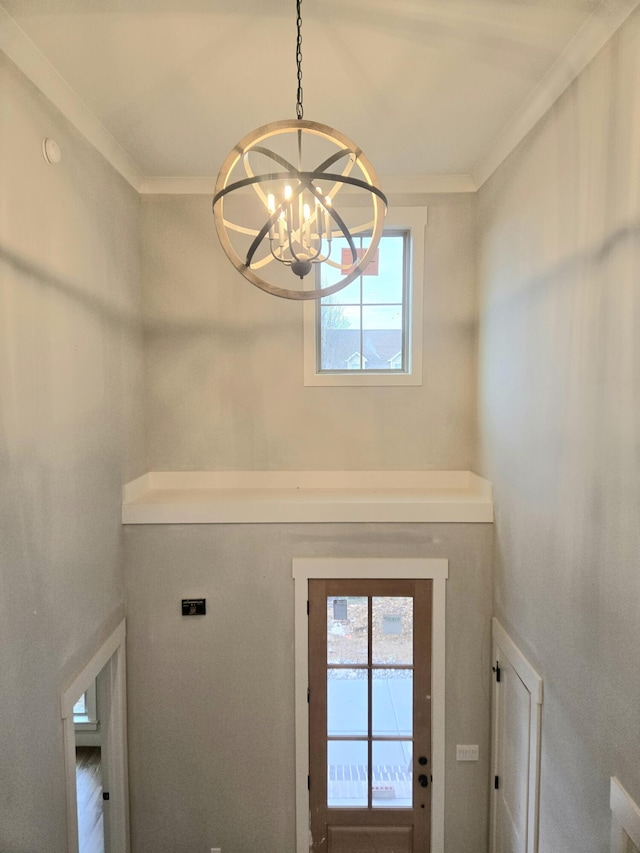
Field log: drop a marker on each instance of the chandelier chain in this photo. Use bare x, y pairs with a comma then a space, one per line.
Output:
299, 107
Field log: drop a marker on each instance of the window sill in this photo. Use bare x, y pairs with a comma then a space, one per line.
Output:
362, 379
85, 726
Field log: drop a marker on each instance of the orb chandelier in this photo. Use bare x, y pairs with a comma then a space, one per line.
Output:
276, 210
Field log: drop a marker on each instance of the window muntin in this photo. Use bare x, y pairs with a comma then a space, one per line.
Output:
365, 326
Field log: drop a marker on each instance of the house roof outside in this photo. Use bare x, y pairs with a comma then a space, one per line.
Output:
378, 347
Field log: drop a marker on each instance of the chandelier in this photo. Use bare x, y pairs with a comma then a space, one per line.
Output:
276, 210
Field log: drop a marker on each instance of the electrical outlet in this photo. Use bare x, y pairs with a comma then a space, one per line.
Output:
466, 752
216, 850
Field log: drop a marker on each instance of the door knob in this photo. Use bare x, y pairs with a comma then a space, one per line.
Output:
423, 780
422, 760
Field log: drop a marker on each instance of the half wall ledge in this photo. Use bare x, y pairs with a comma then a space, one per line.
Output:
275, 497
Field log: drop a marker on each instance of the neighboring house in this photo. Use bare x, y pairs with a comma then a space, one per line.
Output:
342, 349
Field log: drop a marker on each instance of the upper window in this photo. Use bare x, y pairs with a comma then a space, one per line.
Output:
369, 333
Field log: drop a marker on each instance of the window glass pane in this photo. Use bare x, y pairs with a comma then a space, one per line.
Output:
347, 774
392, 630
382, 317
349, 295
347, 629
387, 285
339, 336
381, 348
330, 275
392, 777
392, 702
347, 702
81, 706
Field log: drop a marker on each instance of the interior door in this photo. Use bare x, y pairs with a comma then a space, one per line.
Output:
512, 761
370, 715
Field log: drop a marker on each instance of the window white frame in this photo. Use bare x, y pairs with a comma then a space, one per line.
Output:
370, 568
415, 220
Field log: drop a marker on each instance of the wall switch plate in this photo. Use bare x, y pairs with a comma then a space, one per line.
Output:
194, 607
466, 752
216, 850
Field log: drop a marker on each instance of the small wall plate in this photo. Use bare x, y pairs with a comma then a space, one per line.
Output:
51, 151
194, 606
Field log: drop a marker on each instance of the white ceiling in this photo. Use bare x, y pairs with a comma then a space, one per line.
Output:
425, 87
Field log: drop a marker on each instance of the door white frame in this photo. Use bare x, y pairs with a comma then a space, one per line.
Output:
625, 819
375, 568
110, 660
505, 648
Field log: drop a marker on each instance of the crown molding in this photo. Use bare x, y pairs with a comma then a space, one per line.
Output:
392, 185
587, 42
593, 35
15, 43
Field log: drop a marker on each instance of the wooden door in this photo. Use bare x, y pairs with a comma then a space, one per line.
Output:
370, 715
512, 761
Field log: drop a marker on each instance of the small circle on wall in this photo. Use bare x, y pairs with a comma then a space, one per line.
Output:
51, 151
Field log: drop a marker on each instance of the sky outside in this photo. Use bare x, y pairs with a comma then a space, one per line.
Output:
380, 295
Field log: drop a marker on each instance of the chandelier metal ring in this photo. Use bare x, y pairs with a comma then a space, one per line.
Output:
285, 233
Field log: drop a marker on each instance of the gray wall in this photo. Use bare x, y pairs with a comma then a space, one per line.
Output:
70, 434
560, 419
211, 702
224, 368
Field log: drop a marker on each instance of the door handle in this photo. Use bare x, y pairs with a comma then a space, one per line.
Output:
423, 780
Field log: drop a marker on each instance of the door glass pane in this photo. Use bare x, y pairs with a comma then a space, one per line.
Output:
347, 619
392, 778
392, 702
347, 776
347, 702
392, 630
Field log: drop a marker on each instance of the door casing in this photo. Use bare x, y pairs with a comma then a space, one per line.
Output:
436, 569
109, 660
505, 649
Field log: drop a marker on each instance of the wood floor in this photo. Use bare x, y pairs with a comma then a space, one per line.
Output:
89, 790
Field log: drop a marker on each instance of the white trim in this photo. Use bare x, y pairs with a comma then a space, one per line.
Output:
269, 497
505, 648
83, 680
17, 45
625, 819
590, 38
110, 657
518, 661
135, 488
414, 479
391, 184
415, 219
302, 570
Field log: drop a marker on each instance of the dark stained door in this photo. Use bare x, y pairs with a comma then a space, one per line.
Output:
370, 715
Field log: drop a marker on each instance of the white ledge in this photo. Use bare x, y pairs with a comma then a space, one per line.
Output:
269, 497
